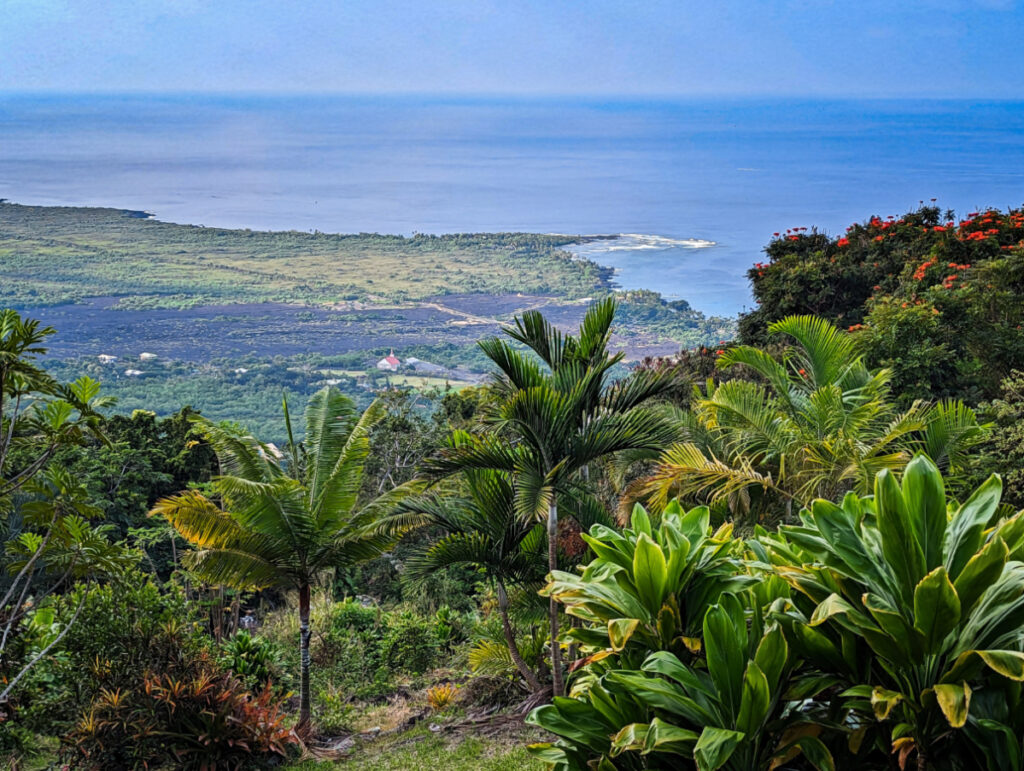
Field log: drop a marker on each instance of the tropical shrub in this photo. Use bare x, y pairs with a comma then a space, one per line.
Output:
201, 720
255, 660
441, 696
409, 644
934, 297
122, 631
650, 585
914, 604
816, 423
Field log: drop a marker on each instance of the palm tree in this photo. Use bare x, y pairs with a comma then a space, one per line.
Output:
814, 424
555, 414
483, 530
285, 518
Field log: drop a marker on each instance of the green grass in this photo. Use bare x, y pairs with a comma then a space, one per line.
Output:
52, 255
420, 750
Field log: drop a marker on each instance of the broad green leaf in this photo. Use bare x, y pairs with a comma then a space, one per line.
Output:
755, 700
771, 654
981, 571
650, 572
665, 737
714, 747
883, 700
1007, 663
924, 494
620, 630
548, 753
814, 751
900, 547
965, 533
630, 738
659, 694
936, 608
726, 655
695, 524
954, 701
639, 521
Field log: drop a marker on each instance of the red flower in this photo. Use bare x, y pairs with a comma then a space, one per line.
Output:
803, 372
843, 242
879, 238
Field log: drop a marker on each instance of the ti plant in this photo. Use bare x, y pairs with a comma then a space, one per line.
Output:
730, 712
915, 604
648, 587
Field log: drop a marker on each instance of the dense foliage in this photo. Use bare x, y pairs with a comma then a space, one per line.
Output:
935, 298
800, 552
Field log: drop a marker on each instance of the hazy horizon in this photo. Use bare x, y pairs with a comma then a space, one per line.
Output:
659, 48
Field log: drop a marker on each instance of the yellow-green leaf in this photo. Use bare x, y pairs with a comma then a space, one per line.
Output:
954, 701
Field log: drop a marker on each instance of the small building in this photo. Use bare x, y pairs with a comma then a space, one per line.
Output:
133, 372
147, 356
389, 362
241, 371
106, 358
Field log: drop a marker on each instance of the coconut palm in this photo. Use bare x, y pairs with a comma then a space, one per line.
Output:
815, 424
557, 412
482, 530
283, 519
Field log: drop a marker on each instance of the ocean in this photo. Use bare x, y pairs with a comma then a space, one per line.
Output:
699, 186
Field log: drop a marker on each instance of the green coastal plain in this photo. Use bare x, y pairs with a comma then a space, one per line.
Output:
230, 319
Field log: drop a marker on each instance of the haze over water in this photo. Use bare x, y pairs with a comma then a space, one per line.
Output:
727, 171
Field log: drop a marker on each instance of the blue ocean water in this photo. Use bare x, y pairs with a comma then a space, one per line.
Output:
725, 171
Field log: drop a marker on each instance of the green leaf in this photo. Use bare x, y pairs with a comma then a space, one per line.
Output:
715, 746
883, 700
966, 530
725, 649
665, 737
954, 701
981, 571
640, 522
631, 738
755, 700
650, 573
936, 608
1007, 663
925, 496
620, 630
770, 656
900, 547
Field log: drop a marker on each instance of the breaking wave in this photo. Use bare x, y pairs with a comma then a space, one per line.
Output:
631, 242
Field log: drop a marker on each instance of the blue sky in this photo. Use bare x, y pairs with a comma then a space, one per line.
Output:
968, 48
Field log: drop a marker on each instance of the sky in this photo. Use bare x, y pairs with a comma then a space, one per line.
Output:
941, 48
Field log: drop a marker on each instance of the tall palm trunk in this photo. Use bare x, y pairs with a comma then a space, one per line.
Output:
556, 651
510, 638
304, 715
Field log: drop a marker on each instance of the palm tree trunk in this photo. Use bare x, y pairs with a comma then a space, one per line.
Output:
510, 638
304, 714
556, 651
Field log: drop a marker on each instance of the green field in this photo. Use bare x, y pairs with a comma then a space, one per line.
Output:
53, 255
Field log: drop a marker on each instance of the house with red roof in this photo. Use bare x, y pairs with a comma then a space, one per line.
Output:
389, 362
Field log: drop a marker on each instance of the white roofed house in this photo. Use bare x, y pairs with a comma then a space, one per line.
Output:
147, 356
106, 358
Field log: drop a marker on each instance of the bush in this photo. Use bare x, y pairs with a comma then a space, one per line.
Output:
410, 645
887, 626
203, 719
255, 660
122, 631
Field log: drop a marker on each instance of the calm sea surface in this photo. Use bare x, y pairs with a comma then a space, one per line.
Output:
729, 172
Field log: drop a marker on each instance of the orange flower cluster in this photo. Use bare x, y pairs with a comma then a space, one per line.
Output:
922, 269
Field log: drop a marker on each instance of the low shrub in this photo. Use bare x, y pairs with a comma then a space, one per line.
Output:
255, 660
201, 720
